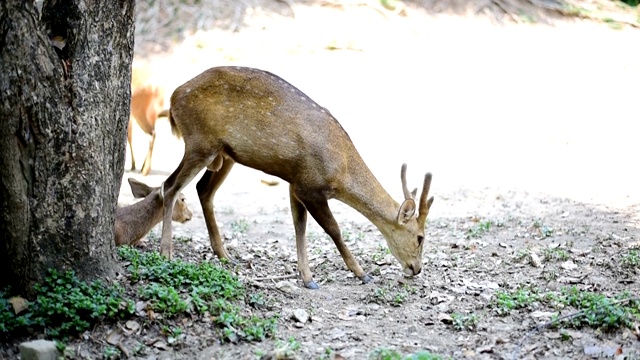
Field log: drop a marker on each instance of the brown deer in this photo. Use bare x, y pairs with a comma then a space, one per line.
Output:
147, 104
136, 220
236, 114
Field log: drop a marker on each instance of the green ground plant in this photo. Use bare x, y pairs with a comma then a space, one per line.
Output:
464, 321
180, 288
555, 254
64, 306
390, 295
631, 259
479, 229
591, 309
390, 354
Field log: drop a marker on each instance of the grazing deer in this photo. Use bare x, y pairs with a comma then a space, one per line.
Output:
236, 114
136, 220
147, 104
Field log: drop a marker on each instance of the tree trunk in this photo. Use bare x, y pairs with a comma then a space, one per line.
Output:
64, 106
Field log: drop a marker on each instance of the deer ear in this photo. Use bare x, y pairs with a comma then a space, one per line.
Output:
407, 209
139, 189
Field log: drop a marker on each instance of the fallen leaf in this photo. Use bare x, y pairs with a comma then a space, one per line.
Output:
572, 279
542, 314
347, 314
553, 335
114, 337
287, 287
160, 345
572, 333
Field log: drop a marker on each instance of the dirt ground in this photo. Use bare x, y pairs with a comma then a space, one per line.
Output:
531, 128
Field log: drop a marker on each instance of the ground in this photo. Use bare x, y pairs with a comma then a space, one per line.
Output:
529, 131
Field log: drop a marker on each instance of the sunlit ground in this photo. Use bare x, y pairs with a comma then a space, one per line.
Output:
551, 109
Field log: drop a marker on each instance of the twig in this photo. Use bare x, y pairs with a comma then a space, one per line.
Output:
279, 277
262, 286
568, 316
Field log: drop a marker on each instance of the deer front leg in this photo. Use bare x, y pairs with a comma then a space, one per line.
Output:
207, 187
319, 209
299, 213
188, 168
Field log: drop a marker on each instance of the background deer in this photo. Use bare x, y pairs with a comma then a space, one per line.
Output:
147, 104
136, 220
236, 114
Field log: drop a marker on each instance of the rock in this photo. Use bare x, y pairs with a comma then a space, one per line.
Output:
38, 350
19, 304
445, 318
534, 259
300, 315
132, 325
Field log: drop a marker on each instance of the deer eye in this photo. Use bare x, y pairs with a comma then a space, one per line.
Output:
420, 239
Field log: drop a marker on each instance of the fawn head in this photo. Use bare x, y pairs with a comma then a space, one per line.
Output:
181, 212
407, 235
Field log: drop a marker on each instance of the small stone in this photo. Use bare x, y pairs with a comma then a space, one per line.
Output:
38, 350
535, 259
445, 318
300, 315
132, 325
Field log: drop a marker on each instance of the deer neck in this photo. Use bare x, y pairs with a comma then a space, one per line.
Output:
138, 219
365, 194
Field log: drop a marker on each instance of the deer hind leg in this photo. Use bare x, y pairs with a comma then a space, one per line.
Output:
146, 165
319, 208
129, 138
299, 213
191, 164
207, 187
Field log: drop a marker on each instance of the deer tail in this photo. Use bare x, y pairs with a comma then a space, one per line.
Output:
174, 128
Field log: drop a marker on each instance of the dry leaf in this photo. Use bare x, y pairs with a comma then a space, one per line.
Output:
114, 337
542, 314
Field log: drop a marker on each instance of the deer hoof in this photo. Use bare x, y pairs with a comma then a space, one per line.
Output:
366, 278
311, 285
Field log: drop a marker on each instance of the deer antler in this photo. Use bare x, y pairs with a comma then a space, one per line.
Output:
405, 190
425, 204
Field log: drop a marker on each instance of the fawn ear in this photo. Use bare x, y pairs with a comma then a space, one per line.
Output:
139, 189
407, 209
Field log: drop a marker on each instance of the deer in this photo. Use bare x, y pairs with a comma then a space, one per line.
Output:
147, 105
229, 115
136, 220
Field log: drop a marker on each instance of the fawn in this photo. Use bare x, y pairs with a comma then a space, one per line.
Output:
136, 220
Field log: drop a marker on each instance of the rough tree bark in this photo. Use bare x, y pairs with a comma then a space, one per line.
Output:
64, 105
